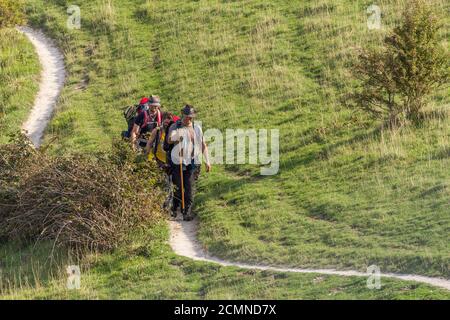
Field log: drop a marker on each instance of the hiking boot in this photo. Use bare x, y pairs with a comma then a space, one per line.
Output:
187, 214
174, 213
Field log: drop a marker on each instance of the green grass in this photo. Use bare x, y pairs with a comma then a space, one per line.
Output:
109, 63
19, 75
349, 194
147, 269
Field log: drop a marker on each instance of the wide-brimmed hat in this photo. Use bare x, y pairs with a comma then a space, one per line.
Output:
188, 111
154, 101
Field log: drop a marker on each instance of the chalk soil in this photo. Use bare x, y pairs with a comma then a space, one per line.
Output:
52, 81
183, 240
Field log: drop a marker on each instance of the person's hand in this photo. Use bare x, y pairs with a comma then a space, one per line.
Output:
208, 167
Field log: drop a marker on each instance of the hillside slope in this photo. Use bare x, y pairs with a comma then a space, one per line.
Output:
348, 194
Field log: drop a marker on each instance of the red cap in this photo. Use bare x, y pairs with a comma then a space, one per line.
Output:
144, 100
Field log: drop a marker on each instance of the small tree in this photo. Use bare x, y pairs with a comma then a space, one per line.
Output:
11, 13
397, 80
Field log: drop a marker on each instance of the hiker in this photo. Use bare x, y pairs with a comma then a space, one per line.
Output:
155, 145
185, 138
147, 120
131, 113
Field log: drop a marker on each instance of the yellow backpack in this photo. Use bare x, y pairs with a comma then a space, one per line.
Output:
158, 151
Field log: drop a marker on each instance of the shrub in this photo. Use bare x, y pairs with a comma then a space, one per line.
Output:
396, 81
11, 13
75, 201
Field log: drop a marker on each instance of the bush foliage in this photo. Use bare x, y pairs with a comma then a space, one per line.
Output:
396, 81
75, 201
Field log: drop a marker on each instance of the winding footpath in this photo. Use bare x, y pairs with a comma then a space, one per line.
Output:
183, 240
52, 81
183, 235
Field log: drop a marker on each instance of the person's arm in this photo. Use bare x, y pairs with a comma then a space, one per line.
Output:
206, 155
151, 140
134, 134
136, 129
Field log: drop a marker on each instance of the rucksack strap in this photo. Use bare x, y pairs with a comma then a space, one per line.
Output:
147, 119
159, 117
157, 141
146, 116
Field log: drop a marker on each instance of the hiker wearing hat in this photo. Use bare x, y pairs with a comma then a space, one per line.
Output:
148, 119
187, 148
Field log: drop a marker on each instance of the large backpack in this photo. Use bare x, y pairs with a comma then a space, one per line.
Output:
129, 113
168, 147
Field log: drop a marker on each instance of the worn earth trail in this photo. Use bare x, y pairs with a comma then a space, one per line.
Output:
52, 81
183, 240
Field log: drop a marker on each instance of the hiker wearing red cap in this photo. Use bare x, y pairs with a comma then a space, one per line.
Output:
148, 119
186, 140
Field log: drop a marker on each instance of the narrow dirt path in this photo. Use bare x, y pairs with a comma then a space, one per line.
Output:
183, 240
52, 81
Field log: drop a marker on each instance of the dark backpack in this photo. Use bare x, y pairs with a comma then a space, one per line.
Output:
129, 113
168, 147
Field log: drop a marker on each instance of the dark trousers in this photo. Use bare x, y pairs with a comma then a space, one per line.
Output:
188, 182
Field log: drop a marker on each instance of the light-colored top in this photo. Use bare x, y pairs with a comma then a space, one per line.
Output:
191, 144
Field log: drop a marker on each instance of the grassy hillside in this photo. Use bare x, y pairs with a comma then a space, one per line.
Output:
349, 194
148, 269
19, 74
